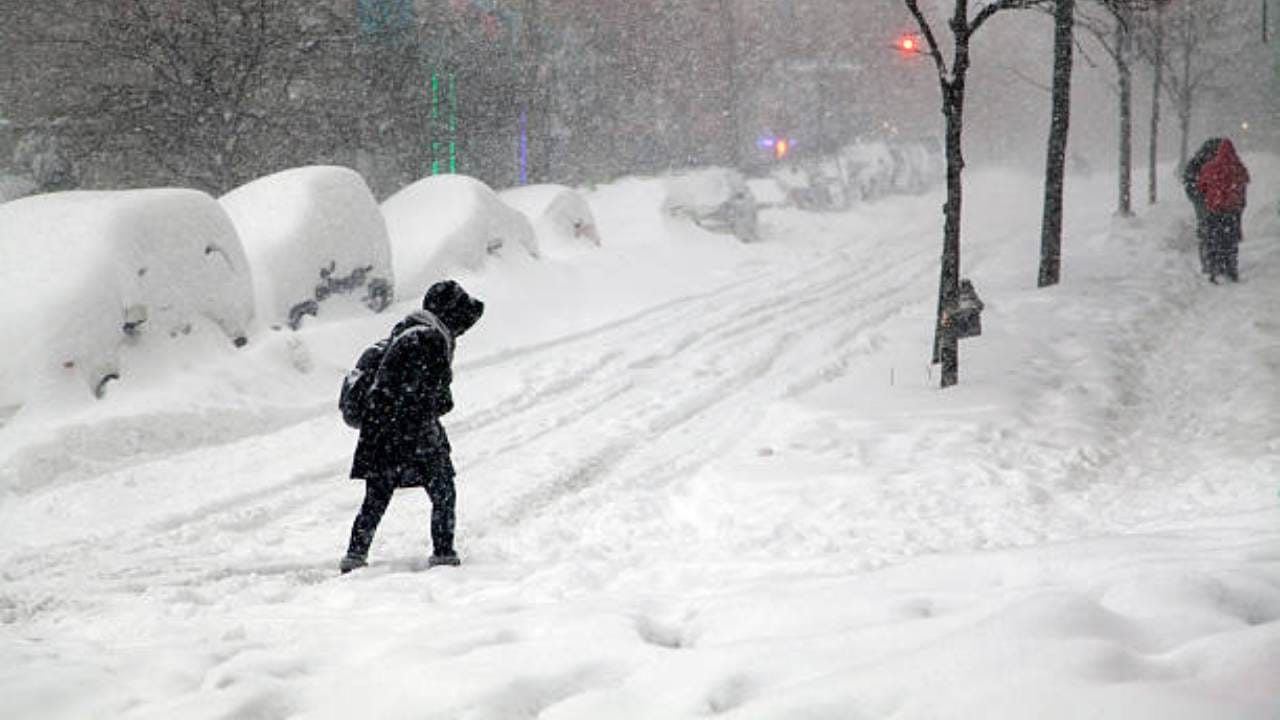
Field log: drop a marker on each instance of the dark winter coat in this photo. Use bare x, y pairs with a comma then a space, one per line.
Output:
401, 429
1191, 173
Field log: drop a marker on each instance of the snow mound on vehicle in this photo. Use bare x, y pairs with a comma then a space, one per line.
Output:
768, 192
715, 199
317, 243
873, 170
83, 275
446, 223
863, 172
561, 217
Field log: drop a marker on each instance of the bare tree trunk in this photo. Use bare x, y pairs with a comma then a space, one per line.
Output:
946, 347
1184, 130
1153, 148
1055, 166
1123, 48
1184, 108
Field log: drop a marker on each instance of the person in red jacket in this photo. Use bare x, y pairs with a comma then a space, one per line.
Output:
1220, 186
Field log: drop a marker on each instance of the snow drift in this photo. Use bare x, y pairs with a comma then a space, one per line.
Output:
315, 239
561, 217
715, 199
447, 223
85, 274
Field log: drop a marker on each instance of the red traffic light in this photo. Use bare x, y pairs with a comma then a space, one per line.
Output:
908, 44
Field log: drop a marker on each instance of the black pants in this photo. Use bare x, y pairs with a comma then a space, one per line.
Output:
377, 495
1222, 244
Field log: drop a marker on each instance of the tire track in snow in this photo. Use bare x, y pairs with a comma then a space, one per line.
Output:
718, 347
634, 455
298, 495
180, 543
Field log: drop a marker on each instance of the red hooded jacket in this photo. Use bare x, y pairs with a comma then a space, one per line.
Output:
1222, 180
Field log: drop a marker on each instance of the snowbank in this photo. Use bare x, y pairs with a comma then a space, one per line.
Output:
315, 238
84, 274
561, 217
447, 223
716, 199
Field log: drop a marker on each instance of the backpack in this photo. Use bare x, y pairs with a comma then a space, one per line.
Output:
355, 386
353, 398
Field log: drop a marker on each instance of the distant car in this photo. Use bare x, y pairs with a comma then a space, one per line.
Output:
561, 216
877, 169
447, 223
717, 200
85, 274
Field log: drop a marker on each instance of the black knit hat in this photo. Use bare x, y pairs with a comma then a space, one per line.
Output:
455, 308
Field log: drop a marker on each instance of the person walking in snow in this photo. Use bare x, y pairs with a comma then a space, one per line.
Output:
1216, 182
1190, 174
402, 443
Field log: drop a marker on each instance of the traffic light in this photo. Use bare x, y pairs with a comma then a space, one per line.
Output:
908, 43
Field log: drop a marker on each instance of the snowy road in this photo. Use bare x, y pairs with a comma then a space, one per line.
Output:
657, 513
567, 451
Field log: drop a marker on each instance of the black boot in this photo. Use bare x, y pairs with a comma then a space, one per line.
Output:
351, 562
447, 558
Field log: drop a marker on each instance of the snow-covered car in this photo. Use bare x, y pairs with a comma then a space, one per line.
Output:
316, 241
83, 274
446, 223
876, 169
561, 216
815, 186
715, 199
862, 171
768, 192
